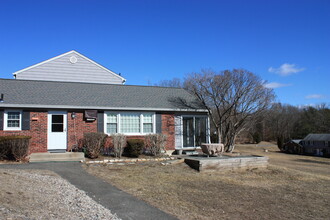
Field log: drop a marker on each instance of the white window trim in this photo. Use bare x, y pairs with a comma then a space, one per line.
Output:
5, 121
130, 112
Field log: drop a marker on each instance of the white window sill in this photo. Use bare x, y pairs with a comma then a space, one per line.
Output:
132, 134
12, 129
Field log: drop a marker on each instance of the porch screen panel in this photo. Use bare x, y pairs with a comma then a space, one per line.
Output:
200, 131
188, 132
130, 123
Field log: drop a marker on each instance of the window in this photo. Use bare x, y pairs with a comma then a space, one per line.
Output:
133, 123
147, 123
130, 123
13, 120
57, 123
111, 123
194, 130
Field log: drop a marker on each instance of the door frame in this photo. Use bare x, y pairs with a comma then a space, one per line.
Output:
65, 132
208, 136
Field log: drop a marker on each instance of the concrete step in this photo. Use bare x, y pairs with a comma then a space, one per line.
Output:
53, 157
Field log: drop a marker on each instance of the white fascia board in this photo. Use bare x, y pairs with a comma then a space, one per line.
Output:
3, 105
79, 54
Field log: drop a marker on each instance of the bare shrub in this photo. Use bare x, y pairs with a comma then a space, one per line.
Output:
16, 147
119, 143
20, 148
155, 143
4, 148
93, 143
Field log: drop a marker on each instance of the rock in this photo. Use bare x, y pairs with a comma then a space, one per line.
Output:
212, 149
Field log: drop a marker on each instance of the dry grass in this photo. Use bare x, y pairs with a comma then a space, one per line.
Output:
274, 193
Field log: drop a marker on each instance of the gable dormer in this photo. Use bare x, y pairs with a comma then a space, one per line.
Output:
70, 67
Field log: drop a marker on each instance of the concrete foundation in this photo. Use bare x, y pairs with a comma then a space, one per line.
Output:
203, 163
53, 157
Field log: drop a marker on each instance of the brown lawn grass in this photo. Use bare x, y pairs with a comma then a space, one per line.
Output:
292, 187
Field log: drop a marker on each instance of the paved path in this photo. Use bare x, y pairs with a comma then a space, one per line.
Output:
123, 204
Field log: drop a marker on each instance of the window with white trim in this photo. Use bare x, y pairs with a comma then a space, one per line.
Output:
131, 123
13, 120
111, 124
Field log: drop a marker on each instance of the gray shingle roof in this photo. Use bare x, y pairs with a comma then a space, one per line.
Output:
317, 137
46, 94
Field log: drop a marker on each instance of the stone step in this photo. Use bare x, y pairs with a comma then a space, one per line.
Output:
53, 157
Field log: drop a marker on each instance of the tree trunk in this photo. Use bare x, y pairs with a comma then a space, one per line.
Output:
230, 144
219, 135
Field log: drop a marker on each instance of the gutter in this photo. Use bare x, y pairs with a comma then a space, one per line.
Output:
2, 105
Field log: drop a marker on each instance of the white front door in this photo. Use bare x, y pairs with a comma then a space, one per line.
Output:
57, 134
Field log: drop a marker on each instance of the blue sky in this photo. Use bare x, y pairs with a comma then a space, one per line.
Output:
286, 42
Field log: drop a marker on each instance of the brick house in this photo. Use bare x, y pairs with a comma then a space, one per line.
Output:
58, 100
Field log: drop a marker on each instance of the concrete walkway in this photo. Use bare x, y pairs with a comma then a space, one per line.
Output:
123, 204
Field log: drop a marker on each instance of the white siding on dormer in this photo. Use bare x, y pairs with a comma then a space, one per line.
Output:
61, 69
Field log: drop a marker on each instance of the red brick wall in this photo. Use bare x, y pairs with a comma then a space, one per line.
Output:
77, 127
168, 128
38, 132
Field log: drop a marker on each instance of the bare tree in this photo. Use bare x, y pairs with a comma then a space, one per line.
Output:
175, 82
281, 119
231, 97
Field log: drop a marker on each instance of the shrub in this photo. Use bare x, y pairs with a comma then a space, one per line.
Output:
119, 143
280, 143
256, 137
16, 147
155, 143
134, 147
4, 148
93, 143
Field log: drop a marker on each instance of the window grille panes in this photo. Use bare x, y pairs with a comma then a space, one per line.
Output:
112, 123
111, 128
13, 119
147, 128
130, 123
147, 123
147, 118
112, 118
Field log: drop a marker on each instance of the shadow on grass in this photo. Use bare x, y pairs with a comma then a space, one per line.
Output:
312, 161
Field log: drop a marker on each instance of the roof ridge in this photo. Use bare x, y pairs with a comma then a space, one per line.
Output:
50, 81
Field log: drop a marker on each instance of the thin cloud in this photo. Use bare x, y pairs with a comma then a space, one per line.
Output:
286, 69
315, 96
274, 85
